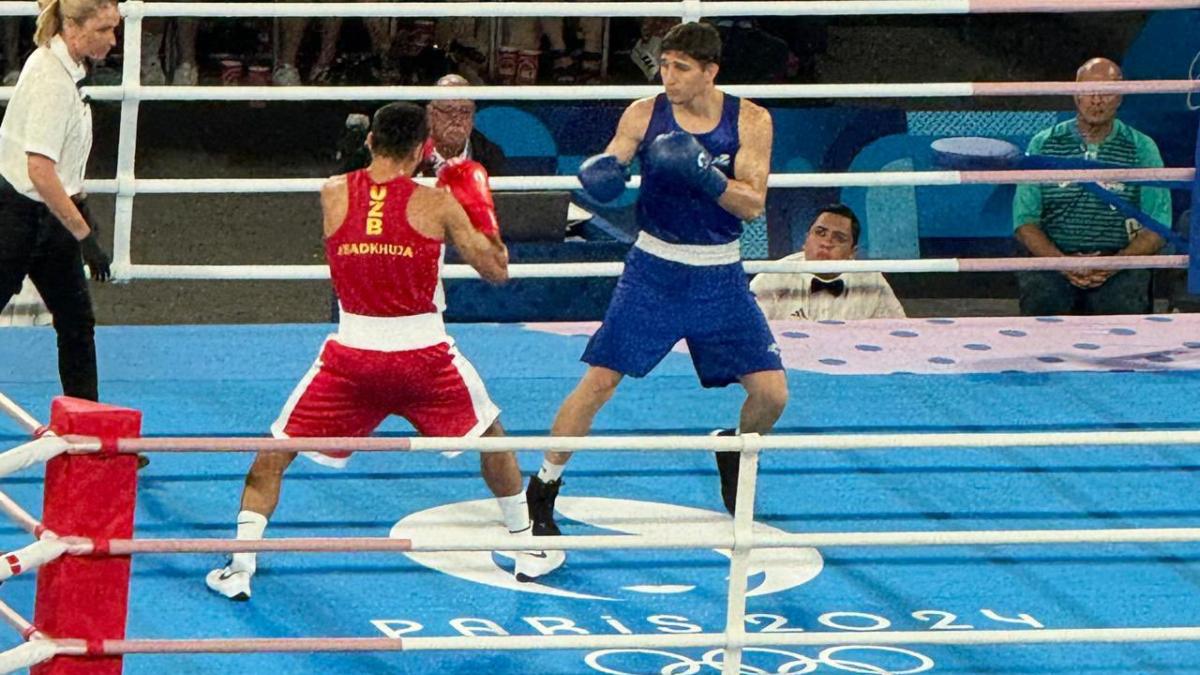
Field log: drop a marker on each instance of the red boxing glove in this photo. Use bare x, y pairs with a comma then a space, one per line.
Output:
468, 182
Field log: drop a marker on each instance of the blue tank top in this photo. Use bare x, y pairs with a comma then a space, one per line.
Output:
680, 215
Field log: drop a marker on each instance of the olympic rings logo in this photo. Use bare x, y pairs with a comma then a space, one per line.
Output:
900, 661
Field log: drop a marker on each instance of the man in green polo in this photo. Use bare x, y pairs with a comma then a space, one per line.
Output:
1062, 219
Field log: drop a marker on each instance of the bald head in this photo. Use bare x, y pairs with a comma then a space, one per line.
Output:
1097, 110
1098, 70
453, 80
451, 120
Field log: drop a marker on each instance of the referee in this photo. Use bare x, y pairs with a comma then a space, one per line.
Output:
45, 139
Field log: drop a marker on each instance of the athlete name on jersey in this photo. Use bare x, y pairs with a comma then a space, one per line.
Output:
370, 248
375, 212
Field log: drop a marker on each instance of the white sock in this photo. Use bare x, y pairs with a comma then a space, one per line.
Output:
515, 511
250, 527
550, 471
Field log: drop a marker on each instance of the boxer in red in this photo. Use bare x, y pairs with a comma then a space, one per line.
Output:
384, 239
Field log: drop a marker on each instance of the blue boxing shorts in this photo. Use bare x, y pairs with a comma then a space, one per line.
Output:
659, 302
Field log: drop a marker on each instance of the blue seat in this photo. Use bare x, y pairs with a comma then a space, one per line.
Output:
960, 220
888, 214
526, 142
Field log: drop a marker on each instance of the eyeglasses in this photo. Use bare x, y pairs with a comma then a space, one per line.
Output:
463, 110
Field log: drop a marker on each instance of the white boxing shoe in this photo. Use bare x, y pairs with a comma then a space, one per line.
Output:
231, 584
531, 564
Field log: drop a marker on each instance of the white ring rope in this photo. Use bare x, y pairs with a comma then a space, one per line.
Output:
678, 540
31, 557
17, 622
690, 8
805, 442
19, 415
36, 451
591, 642
787, 180
626, 93
613, 269
29, 654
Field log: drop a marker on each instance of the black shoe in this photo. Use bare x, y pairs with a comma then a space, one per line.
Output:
727, 467
540, 498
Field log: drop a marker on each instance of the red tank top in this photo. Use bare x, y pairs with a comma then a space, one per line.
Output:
380, 265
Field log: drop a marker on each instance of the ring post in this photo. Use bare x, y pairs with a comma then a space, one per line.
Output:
90, 495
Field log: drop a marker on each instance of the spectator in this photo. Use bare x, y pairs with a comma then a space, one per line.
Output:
647, 50
850, 296
451, 130
591, 52
286, 72
186, 74
463, 38
1063, 219
520, 55
398, 46
520, 51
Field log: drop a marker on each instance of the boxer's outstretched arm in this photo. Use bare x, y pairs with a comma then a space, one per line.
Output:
488, 255
746, 196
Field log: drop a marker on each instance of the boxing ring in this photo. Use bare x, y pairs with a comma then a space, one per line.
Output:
1011, 495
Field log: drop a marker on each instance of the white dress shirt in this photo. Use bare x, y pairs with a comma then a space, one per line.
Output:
436, 161
47, 115
866, 295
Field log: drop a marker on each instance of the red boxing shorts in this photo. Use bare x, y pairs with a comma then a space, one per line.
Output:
349, 392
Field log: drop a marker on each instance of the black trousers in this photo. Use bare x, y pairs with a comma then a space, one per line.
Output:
33, 242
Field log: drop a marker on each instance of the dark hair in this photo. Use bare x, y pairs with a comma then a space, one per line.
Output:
398, 128
839, 209
698, 40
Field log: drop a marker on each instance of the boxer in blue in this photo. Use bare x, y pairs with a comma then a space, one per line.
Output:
705, 156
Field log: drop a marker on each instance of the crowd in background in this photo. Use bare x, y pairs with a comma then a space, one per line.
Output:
387, 51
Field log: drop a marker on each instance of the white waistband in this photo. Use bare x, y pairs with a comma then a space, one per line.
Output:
690, 254
391, 333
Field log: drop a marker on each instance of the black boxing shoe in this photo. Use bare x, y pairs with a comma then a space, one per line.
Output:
540, 497
727, 468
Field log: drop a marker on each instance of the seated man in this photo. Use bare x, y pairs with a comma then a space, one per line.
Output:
833, 235
1064, 219
452, 133
850, 296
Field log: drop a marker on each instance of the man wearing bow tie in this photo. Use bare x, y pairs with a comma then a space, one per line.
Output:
833, 235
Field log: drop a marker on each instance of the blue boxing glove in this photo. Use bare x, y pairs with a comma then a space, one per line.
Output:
603, 177
678, 157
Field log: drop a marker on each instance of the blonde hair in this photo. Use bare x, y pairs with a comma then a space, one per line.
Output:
53, 12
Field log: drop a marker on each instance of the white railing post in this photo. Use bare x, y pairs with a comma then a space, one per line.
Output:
131, 82
739, 557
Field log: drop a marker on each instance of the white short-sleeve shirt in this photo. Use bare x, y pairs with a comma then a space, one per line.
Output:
47, 115
867, 295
